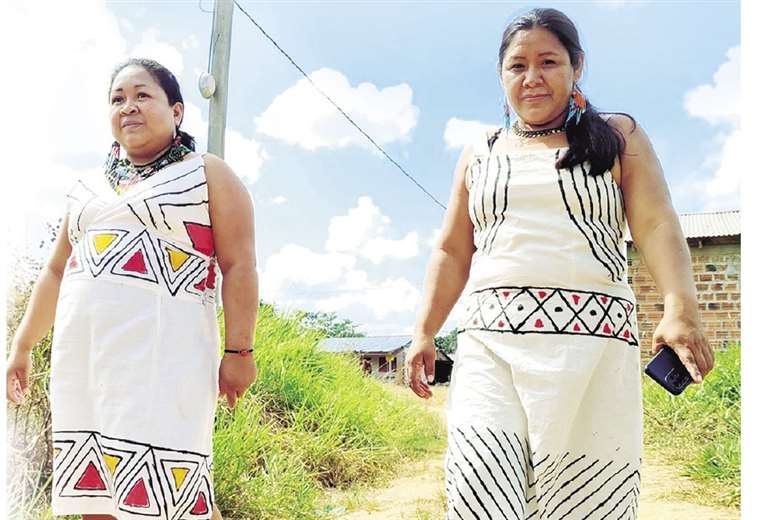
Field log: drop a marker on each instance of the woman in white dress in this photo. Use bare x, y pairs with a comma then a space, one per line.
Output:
544, 411
130, 287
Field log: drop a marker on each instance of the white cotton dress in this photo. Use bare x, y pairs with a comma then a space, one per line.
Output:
135, 356
544, 411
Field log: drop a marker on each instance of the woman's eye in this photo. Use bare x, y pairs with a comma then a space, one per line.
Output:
549, 62
142, 95
116, 99
515, 66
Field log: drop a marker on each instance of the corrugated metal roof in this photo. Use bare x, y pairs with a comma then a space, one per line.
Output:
368, 344
704, 225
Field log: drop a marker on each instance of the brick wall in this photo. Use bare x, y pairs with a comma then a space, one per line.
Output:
716, 264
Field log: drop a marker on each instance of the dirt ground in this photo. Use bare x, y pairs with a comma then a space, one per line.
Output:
417, 492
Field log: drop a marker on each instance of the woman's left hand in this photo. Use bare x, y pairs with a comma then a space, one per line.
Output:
685, 336
236, 374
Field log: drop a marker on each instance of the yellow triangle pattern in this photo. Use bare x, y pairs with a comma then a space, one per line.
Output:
179, 475
177, 258
112, 461
56, 451
103, 241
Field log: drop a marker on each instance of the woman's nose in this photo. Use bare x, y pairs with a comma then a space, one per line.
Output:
532, 77
128, 107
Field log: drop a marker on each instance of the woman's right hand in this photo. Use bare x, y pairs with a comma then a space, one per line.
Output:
17, 375
420, 364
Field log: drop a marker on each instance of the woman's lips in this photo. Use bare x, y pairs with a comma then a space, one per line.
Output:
536, 98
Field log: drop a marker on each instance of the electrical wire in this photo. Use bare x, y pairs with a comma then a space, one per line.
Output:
343, 112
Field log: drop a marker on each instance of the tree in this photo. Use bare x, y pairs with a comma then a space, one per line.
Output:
447, 343
330, 325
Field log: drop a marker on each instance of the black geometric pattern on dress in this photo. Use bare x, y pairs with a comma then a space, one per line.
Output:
550, 310
193, 265
148, 210
477, 182
146, 480
499, 207
591, 210
488, 194
489, 474
97, 261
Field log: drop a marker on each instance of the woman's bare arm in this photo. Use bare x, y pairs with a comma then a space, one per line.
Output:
38, 316
231, 212
656, 231
446, 276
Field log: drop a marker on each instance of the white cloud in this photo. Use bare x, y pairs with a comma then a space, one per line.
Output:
301, 116
433, 240
191, 42
460, 132
718, 104
164, 53
362, 231
389, 296
332, 280
245, 156
295, 265
279, 199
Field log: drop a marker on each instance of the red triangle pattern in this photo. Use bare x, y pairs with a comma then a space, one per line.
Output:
91, 479
201, 505
201, 236
138, 495
136, 264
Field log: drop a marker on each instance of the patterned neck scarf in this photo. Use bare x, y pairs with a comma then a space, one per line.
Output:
122, 174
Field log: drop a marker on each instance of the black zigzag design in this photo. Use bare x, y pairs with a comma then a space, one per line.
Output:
551, 310
143, 480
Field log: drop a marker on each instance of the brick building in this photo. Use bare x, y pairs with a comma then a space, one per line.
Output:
715, 243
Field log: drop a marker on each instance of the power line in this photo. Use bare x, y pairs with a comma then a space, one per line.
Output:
328, 98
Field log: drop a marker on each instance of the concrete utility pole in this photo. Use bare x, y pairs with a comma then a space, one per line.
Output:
221, 36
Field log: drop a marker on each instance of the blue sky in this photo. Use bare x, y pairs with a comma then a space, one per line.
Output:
338, 227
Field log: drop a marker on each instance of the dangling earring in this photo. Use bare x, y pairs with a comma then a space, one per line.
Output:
506, 114
576, 106
177, 137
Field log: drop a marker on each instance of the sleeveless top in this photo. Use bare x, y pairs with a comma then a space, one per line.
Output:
549, 234
156, 236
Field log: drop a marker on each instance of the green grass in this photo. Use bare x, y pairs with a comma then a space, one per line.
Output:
318, 423
312, 421
699, 430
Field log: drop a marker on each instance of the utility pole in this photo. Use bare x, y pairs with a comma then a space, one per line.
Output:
221, 36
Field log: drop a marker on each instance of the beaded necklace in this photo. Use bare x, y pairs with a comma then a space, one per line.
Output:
122, 174
530, 134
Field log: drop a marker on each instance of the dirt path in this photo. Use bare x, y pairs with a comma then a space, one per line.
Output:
417, 493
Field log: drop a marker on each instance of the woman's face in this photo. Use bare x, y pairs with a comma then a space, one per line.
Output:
142, 121
538, 77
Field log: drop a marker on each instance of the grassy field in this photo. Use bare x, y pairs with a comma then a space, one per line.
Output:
699, 431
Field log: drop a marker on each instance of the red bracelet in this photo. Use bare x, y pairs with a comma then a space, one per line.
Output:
242, 352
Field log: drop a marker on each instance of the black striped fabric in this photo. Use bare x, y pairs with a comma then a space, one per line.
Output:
491, 474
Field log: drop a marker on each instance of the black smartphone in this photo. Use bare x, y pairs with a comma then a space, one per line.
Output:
668, 371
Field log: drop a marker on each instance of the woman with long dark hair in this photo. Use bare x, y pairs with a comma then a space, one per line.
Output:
131, 287
544, 411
